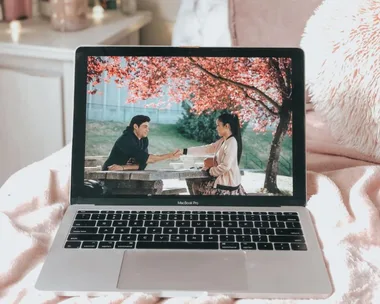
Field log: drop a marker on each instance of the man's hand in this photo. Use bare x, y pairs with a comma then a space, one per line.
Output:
123, 168
115, 168
176, 154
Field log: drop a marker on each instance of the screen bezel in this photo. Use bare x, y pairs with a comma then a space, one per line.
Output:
298, 138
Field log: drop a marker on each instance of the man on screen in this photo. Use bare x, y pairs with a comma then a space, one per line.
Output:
130, 151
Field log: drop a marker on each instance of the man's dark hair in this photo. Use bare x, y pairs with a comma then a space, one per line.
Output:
138, 120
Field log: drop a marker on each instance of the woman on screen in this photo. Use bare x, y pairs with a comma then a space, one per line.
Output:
224, 166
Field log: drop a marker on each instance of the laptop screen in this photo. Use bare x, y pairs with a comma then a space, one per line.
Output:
181, 126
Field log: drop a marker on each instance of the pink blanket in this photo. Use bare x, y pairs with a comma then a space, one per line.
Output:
344, 199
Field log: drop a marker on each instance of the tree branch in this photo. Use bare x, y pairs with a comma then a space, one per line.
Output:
261, 103
238, 84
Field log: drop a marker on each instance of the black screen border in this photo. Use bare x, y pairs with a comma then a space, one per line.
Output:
298, 136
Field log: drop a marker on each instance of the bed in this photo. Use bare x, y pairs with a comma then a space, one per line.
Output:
343, 187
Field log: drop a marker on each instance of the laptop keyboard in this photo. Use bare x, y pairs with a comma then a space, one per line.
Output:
212, 230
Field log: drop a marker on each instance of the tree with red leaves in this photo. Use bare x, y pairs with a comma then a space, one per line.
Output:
257, 89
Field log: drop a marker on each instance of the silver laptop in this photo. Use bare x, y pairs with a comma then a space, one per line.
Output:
188, 177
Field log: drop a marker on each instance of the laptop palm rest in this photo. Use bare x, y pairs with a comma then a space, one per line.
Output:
183, 271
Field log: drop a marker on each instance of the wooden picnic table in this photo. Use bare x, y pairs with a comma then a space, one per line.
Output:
145, 182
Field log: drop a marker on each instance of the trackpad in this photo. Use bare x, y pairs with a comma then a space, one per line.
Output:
211, 271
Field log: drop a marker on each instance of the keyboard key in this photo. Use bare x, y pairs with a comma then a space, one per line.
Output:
214, 224
183, 224
293, 225
248, 246
84, 230
114, 217
243, 238
167, 223
136, 223
261, 224
229, 246
227, 238
222, 217
85, 237
138, 230
194, 238
268, 218
145, 238
84, 223
286, 239
176, 245
281, 246
178, 238
230, 224
170, 231
161, 238
252, 218
206, 217
98, 216
245, 224
199, 223
129, 217
259, 238
145, 217
277, 224
289, 232
152, 223
266, 231
155, 230
202, 230
218, 231
104, 224
298, 247
125, 245
120, 223
106, 245
89, 245
237, 218
186, 230
72, 244
234, 231
264, 246
118, 230
112, 237
129, 237
210, 238
288, 218
250, 231
191, 217
290, 213
83, 216
88, 211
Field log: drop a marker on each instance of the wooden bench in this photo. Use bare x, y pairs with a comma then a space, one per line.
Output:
173, 191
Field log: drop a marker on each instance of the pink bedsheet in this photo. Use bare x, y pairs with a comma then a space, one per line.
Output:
344, 199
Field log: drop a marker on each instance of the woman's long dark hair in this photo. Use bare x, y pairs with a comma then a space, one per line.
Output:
233, 121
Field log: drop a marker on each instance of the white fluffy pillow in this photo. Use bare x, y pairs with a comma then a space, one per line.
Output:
342, 47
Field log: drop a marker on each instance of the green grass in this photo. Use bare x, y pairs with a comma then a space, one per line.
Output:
164, 139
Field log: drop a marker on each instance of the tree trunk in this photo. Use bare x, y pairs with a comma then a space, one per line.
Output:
271, 171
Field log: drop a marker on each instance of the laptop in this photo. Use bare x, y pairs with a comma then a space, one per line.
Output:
212, 198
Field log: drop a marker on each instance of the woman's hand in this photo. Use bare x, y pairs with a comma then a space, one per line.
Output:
208, 163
